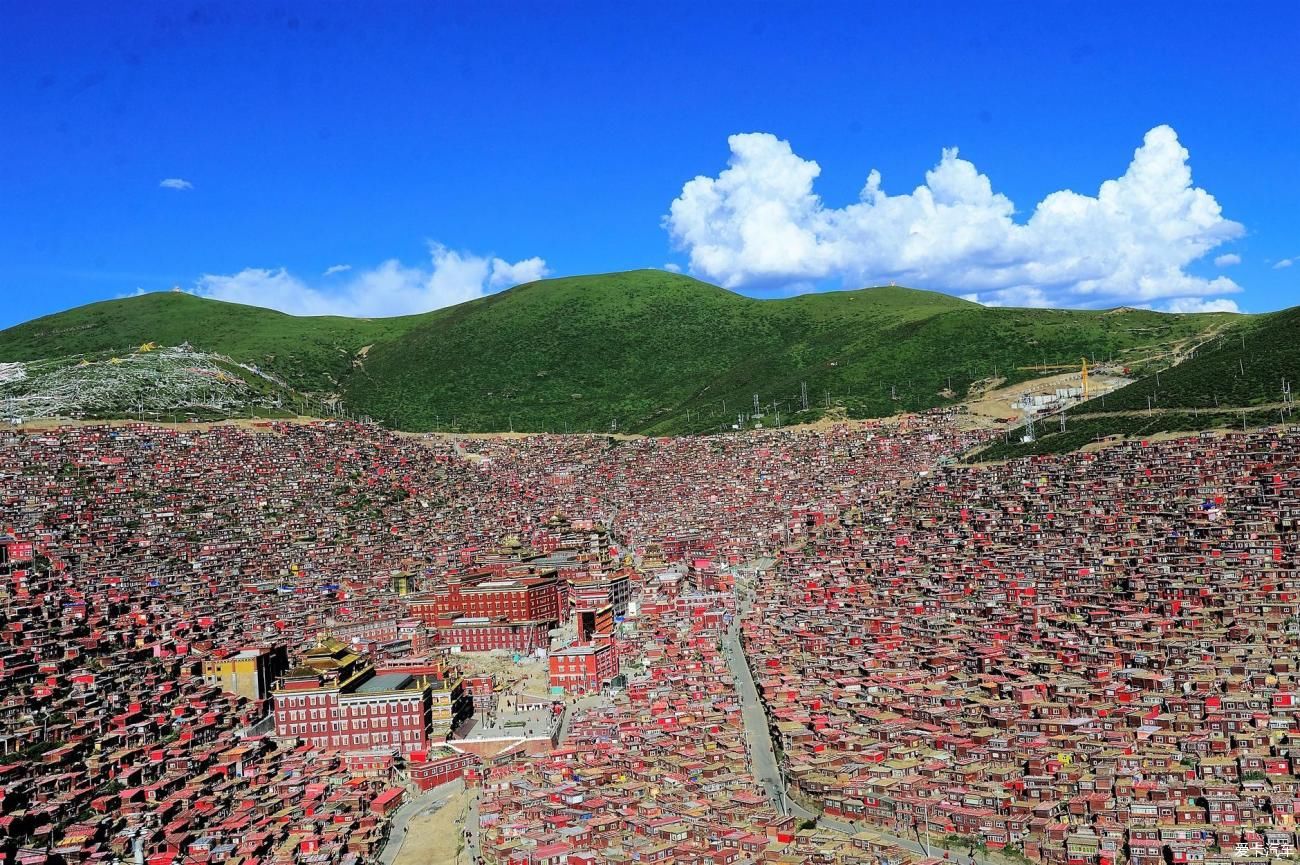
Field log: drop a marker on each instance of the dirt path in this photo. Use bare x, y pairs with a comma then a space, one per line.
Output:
1210, 410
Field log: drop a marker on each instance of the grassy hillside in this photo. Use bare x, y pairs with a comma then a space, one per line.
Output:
153, 384
1243, 367
645, 348
1051, 439
311, 353
1232, 379
650, 351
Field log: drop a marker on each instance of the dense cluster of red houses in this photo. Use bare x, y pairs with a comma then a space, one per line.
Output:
241, 645
662, 772
1086, 658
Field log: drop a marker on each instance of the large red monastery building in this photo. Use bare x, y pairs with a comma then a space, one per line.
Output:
489, 609
337, 701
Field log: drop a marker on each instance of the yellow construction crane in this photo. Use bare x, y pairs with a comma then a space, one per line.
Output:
1085, 378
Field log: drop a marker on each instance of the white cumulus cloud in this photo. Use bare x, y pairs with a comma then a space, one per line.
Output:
1227, 259
1286, 262
176, 183
1200, 304
336, 268
760, 223
392, 288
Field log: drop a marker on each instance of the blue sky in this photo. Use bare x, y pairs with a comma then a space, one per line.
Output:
439, 151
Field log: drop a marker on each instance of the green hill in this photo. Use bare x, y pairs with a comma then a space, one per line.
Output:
647, 351
1234, 378
151, 383
312, 353
1241, 368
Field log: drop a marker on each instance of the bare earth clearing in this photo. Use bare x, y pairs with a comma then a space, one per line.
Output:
434, 839
998, 403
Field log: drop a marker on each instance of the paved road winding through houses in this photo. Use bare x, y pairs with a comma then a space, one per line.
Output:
766, 768
419, 804
758, 739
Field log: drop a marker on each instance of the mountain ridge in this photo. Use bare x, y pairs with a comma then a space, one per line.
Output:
637, 351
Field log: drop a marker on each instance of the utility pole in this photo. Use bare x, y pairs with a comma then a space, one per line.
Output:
925, 815
803, 395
